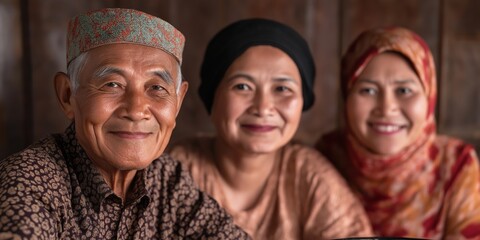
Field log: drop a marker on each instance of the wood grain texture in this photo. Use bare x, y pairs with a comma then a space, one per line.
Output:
420, 16
13, 136
48, 48
460, 99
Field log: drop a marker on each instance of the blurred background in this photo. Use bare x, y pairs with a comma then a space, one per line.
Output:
33, 35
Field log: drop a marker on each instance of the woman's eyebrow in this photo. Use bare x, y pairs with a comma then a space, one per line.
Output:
399, 81
252, 79
285, 79
404, 81
241, 75
366, 80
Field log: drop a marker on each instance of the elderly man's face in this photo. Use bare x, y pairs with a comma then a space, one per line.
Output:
125, 105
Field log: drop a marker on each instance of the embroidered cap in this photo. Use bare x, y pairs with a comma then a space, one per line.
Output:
117, 25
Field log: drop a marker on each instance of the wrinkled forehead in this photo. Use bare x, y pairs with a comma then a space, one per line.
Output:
131, 58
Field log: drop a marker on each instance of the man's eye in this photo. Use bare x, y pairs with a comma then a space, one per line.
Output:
112, 84
158, 88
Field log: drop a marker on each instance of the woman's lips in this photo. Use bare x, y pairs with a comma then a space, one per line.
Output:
258, 128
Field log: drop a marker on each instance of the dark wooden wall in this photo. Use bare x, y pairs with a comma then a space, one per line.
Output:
32, 49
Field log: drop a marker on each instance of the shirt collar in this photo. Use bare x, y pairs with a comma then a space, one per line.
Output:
91, 181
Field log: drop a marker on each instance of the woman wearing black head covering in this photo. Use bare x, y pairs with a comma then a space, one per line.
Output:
257, 78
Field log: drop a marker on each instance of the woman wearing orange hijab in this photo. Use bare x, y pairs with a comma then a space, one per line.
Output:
411, 181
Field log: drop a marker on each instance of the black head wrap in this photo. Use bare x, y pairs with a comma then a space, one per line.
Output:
228, 44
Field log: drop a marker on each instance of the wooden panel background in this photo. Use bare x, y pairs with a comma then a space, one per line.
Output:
32, 49
460, 86
13, 110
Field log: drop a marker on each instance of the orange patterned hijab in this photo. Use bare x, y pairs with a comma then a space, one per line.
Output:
364, 48
411, 193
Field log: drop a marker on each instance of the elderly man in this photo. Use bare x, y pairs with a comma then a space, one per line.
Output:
106, 177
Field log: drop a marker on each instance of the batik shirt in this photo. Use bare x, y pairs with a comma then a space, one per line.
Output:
51, 190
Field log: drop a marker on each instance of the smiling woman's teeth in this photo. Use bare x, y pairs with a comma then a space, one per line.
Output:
387, 128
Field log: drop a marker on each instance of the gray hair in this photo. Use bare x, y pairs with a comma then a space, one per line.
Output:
74, 69
77, 64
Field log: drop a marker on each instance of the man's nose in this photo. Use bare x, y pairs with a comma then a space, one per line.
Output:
136, 106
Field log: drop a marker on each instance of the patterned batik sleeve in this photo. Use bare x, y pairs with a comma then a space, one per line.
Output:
24, 213
198, 215
463, 199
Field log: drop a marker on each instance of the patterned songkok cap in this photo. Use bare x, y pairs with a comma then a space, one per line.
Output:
116, 25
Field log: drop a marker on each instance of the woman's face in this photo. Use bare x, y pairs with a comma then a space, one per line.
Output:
258, 104
387, 105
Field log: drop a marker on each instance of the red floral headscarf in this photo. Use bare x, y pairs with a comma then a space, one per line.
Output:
412, 47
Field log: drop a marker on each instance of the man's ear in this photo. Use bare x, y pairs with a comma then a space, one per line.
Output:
64, 94
182, 91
